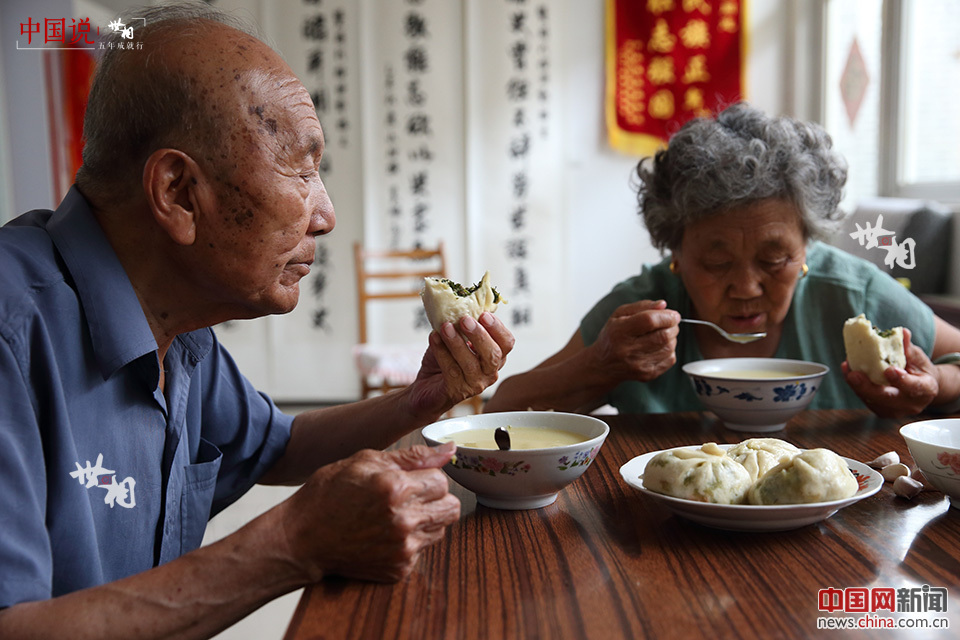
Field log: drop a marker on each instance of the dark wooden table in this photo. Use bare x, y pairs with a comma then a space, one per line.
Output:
605, 561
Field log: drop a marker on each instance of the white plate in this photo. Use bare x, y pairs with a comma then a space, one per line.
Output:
748, 517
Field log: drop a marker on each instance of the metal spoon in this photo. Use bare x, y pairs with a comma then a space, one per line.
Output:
502, 438
741, 338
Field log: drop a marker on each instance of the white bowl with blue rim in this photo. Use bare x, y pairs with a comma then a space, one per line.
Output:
758, 395
519, 478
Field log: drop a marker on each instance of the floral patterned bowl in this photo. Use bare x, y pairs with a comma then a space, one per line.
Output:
733, 389
520, 478
935, 447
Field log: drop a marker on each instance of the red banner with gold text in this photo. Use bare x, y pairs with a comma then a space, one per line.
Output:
668, 61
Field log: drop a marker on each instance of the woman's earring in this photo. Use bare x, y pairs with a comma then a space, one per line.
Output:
674, 269
803, 271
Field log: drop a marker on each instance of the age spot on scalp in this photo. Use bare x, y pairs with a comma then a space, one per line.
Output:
272, 125
258, 110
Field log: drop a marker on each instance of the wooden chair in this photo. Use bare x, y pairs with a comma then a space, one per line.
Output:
384, 275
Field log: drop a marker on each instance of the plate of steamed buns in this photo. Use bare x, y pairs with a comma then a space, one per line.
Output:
760, 484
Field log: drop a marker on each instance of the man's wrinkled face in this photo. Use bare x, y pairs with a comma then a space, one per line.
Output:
271, 202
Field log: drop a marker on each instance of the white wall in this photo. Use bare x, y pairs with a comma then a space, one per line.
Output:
603, 240
26, 180
25, 105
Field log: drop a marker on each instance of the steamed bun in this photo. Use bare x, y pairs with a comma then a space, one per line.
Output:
816, 475
760, 455
446, 301
871, 350
706, 474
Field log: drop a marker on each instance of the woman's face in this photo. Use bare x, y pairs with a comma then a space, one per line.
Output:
740, 267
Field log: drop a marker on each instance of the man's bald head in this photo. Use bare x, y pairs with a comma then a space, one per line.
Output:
181, 90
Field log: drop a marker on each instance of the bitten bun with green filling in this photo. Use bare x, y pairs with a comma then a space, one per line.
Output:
871, 350
446, 301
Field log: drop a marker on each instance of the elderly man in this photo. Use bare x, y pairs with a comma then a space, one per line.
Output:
124, 424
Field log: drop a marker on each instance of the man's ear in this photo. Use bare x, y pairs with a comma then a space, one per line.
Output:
175, 189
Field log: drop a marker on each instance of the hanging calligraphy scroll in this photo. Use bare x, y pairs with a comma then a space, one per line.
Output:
413, 142
514, 168
306, 355
668, 61
313, 344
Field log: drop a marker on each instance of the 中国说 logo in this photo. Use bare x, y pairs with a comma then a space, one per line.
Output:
79, 34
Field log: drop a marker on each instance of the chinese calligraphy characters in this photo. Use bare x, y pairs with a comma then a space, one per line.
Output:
528, 27
669, 61
80, 32
875, 236
55, 30
869, 600
92, 476
324, 33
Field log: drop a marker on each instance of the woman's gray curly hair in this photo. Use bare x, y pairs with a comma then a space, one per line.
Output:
137, 103
714, 165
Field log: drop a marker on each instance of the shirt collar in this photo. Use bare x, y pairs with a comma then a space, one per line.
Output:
119, 329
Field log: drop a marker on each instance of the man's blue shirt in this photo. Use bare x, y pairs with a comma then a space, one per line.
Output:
102, 474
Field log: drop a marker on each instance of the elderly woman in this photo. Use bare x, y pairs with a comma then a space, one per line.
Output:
740, 202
